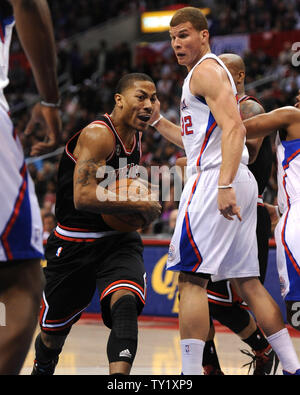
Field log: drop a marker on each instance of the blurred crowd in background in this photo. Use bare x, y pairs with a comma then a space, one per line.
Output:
92, 76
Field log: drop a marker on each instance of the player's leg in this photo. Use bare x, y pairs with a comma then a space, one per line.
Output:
227, 307
121, 281
70, 286
21, 284
269, 318
123, 339
193, 320
210, 361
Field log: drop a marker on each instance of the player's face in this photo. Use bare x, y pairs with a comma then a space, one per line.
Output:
187, 43
138, 104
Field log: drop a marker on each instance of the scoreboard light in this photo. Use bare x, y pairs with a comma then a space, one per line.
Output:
159, 21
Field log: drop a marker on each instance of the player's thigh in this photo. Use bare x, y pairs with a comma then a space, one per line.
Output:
122, 269
70, 283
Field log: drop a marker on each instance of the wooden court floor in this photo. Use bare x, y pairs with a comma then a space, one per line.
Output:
158, 353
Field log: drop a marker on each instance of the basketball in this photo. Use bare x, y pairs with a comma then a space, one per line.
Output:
127, 189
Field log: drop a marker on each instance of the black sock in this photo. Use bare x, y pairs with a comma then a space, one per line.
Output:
210, 356
257, 341
43, 354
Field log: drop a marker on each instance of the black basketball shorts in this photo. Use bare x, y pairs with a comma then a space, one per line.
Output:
75, 269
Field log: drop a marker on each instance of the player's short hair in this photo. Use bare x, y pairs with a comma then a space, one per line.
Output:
128, 79
190, 14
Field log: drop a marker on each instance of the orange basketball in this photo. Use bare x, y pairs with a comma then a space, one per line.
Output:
126, 189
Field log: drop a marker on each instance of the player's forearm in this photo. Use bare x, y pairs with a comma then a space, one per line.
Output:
35, 31
96, 199
170, 131
232, 148
258, 127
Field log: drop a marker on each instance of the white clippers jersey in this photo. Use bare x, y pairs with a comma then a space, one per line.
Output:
6, 27
201, 135
288, 160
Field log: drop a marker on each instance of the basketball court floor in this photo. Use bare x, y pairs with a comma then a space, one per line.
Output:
158, 353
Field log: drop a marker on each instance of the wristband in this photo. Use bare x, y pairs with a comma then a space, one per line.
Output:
225, 186
156, 122
277, 211
52, 105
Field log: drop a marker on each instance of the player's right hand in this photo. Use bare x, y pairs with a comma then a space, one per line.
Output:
50, 121
227, 204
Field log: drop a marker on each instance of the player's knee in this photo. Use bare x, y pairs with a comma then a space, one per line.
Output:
233, 317
122, 342
293, 314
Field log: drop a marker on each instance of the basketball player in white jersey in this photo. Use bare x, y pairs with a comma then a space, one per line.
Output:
21, 247
287, 121
215, 229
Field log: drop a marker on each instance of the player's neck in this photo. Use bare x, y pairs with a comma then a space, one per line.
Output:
125, 132
206, 50
241, 93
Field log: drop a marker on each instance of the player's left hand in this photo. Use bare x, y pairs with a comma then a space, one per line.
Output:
227, 204
50, 121
156, 112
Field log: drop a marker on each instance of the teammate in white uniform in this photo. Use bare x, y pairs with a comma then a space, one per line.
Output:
286, 119
204, 242
21, 245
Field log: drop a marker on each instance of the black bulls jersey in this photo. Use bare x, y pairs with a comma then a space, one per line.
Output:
121, 160
261, 168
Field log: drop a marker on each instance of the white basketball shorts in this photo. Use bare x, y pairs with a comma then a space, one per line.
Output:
288, 252
20, 220
206, 242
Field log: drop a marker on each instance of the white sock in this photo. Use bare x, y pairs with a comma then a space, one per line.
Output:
191, 356
283, 346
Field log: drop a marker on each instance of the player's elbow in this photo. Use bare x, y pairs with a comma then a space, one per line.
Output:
240, 128
80, 200
234, 130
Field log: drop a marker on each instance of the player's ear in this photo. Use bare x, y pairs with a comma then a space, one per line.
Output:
119, 100
241, 76
204, 34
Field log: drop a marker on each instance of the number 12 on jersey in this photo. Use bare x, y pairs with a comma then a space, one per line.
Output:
186, 125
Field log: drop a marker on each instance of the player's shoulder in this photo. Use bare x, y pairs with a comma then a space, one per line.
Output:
251, 107
96, 134
97, 130
209, 65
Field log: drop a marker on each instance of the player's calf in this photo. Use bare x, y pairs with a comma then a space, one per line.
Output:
122, 342
47, 350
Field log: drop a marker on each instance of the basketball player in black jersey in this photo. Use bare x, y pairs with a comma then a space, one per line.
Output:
224, 304
83, 252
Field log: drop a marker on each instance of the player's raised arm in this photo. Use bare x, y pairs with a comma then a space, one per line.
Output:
281, 118
211, 81
35, 31
94, 146
166, 128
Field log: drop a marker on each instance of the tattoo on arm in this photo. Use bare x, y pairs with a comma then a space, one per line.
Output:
87, 170
250, 108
